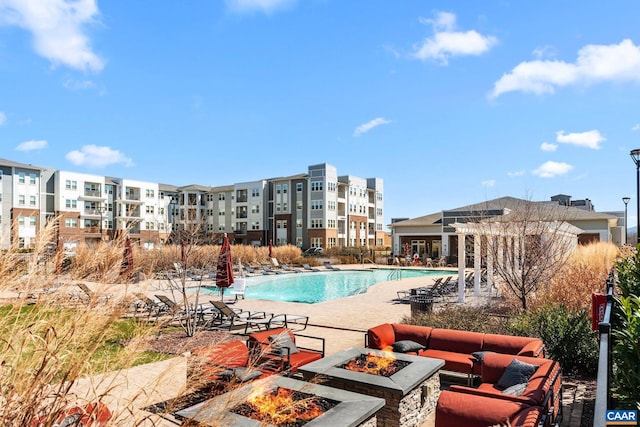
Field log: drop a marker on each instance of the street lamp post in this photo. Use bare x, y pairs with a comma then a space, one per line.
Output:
626, 202
635, 155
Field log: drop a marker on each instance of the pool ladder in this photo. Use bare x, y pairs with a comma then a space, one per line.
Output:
395, 274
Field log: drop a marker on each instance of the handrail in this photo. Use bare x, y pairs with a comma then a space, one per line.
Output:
396, 272
603, 397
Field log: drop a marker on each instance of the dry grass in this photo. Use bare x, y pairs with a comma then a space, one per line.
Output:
585, 272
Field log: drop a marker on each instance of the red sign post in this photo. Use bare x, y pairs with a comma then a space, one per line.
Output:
598, 307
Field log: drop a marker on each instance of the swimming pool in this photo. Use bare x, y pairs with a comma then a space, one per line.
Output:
322, 286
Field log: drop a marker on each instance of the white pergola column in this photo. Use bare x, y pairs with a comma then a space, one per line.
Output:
491, 241
461, 263
477, 258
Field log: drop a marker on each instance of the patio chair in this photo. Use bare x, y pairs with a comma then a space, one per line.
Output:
309, 268
268, 270
148, 305
294, 322
328, 266
278, 349
275, 263
90, 295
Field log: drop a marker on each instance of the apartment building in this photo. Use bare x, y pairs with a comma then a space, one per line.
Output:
315, 209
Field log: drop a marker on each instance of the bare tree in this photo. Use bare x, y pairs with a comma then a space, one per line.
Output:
529, 244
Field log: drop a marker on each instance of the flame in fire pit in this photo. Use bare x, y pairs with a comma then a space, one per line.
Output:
385, 365
283, 407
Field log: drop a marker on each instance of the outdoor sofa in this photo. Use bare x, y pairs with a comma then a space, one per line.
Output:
277, 349
455, 347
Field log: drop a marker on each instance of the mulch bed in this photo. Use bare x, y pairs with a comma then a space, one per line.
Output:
177, 342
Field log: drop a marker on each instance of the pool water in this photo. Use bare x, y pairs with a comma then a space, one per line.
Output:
313, 287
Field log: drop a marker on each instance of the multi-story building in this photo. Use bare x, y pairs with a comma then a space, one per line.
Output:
316, 209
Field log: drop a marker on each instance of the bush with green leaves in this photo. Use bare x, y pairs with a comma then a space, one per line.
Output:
626, 352
566, 334
629, 275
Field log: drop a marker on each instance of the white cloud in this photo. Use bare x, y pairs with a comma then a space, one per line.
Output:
3, 118
590, 139
516, 173
595, 63
552, 169
97, 157
545, 146
364, 128
266, 6
447, 42
58, 29
636, 127
488, 183
32, 145
73, 84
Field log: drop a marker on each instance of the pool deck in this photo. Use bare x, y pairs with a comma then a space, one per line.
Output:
341, 322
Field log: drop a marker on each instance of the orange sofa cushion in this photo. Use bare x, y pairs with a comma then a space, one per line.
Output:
381, 336
506, 344
455, 341
234, 354
460, 409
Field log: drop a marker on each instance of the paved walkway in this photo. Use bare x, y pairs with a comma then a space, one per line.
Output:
342, 323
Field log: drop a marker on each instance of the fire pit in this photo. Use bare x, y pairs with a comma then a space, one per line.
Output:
411, 391
311, 405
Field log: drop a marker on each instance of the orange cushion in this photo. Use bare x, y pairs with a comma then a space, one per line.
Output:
232, 354
419, 334
509, 344
381, 337
460, 409
455, 341
457, 362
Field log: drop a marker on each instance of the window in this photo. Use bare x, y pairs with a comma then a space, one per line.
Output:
255, 225
0, 197
221, 196
149, 209
281, 223
299, 204
255, 192
150, 193
316, 223
316, 242
0, 174
316, 205
285, 206
71, 185
278, 189
108, 224
32, 200
331, 205
255, 209
209, 197
71, 223
379, 197
32, 178
332, 242
317, 185
299, 187
285, 188
108, 189
21, 199
331, 223
221, 227
21, 178
221, 213
20, 220
278, 207
298, 223
331, 186
149, 225
161, 211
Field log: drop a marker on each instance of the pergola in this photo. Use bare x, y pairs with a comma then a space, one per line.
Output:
499, 235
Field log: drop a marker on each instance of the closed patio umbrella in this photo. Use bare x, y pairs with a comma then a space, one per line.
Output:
224, 270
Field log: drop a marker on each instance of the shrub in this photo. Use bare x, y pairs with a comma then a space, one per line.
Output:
626, 352
566, 334
475, 319
629, 275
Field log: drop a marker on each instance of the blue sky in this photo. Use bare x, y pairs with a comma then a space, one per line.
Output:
450, 102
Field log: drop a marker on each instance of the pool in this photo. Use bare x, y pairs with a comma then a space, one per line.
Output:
322, 286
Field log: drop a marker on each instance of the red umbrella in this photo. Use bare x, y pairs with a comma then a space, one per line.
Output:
224, 271
126, 267
270, 248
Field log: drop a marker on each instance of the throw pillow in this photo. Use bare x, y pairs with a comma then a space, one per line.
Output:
226, 374
517, 372
516, 389
246, 374
406, 346
280, 343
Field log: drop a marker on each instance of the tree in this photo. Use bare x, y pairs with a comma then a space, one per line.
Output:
529, 243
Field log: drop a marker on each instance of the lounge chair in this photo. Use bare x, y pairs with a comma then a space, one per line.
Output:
328, 266
275, 263
276, 321
285, 267
308, 268
250, 269
227, 317
148, 305
267, 270
90, 295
